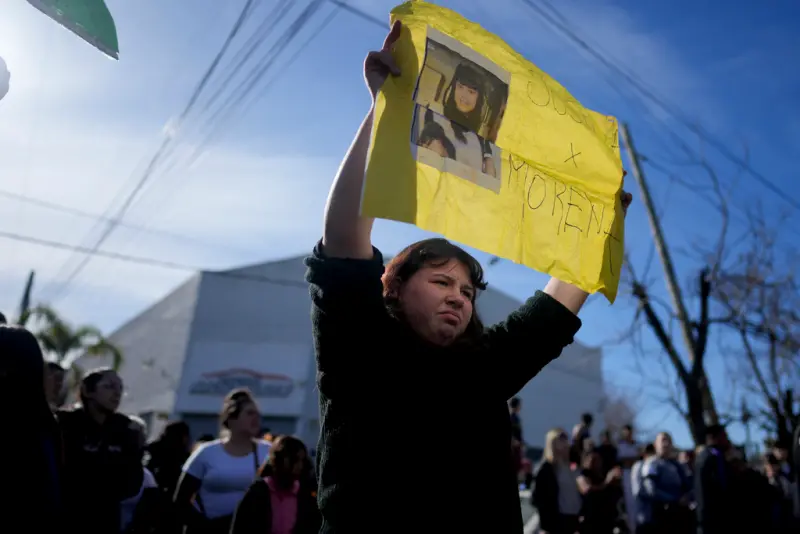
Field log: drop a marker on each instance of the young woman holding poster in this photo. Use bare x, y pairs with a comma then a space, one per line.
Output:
407, 372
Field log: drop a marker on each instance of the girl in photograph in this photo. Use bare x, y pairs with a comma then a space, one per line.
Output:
465, 99
463, 116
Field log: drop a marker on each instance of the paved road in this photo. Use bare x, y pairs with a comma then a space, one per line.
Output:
529, 516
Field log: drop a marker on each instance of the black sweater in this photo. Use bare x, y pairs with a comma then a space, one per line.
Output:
254, 512
431, 422
103, 467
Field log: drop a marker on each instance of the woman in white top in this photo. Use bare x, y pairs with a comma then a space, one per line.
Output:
218, 473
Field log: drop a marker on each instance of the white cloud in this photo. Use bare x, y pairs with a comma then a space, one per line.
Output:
234, 208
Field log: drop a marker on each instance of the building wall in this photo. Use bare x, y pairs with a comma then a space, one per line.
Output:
154, 344
251, 332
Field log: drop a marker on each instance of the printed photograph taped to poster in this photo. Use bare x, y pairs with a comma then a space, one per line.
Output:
460, 102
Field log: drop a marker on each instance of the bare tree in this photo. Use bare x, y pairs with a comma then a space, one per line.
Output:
760, 304
686, 348
746, 285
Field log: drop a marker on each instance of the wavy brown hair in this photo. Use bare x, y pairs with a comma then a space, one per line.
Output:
432, 252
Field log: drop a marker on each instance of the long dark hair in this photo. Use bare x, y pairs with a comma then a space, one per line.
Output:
432, 252
468, 75
22, 381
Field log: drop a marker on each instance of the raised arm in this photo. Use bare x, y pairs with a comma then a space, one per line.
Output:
346, 233
536, 333
569, 296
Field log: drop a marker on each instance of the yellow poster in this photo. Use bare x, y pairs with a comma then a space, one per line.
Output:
474, 142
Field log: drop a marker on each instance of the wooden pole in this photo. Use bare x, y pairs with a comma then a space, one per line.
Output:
661, 247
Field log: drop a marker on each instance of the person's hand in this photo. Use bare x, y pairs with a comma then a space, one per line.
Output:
380, 64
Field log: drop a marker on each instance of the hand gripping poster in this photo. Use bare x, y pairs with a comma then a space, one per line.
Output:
474, 142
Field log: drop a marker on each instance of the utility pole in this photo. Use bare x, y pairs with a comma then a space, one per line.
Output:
25, 302
661, 246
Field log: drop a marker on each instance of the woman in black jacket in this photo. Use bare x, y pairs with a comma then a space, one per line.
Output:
408, 335
279, 501
31, 448
103, 454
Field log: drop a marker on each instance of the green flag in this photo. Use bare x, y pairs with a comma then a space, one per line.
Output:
88, 19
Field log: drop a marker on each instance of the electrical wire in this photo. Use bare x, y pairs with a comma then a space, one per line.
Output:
61, 208
559, 21
176, 69
155, 159
293, 31
226, 111
164, 264
142, 260
360, 13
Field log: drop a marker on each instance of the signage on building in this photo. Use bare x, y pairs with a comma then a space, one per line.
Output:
261, 385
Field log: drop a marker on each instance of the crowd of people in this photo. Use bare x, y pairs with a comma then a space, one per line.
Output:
103, 477
616, 485
89, 468
411, 326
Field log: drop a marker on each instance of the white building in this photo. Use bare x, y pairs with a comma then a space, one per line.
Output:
250, 327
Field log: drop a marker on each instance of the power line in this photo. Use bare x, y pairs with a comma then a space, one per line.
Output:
61, 208
163, 149
153, 262
669, 108
177, 65
253, 44
246, 87
229, 71
141, 260
156, 158
359, 13
257, 38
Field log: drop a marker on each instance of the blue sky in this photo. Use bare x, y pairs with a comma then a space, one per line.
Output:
77, 127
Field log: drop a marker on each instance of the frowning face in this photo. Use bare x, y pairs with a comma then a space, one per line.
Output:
437, 301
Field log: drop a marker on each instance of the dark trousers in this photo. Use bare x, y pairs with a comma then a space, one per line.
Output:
567, 524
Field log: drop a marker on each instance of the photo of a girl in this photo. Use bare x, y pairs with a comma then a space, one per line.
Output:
461, 100
464, 99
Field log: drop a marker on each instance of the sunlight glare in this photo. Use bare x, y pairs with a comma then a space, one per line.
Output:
23, 46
